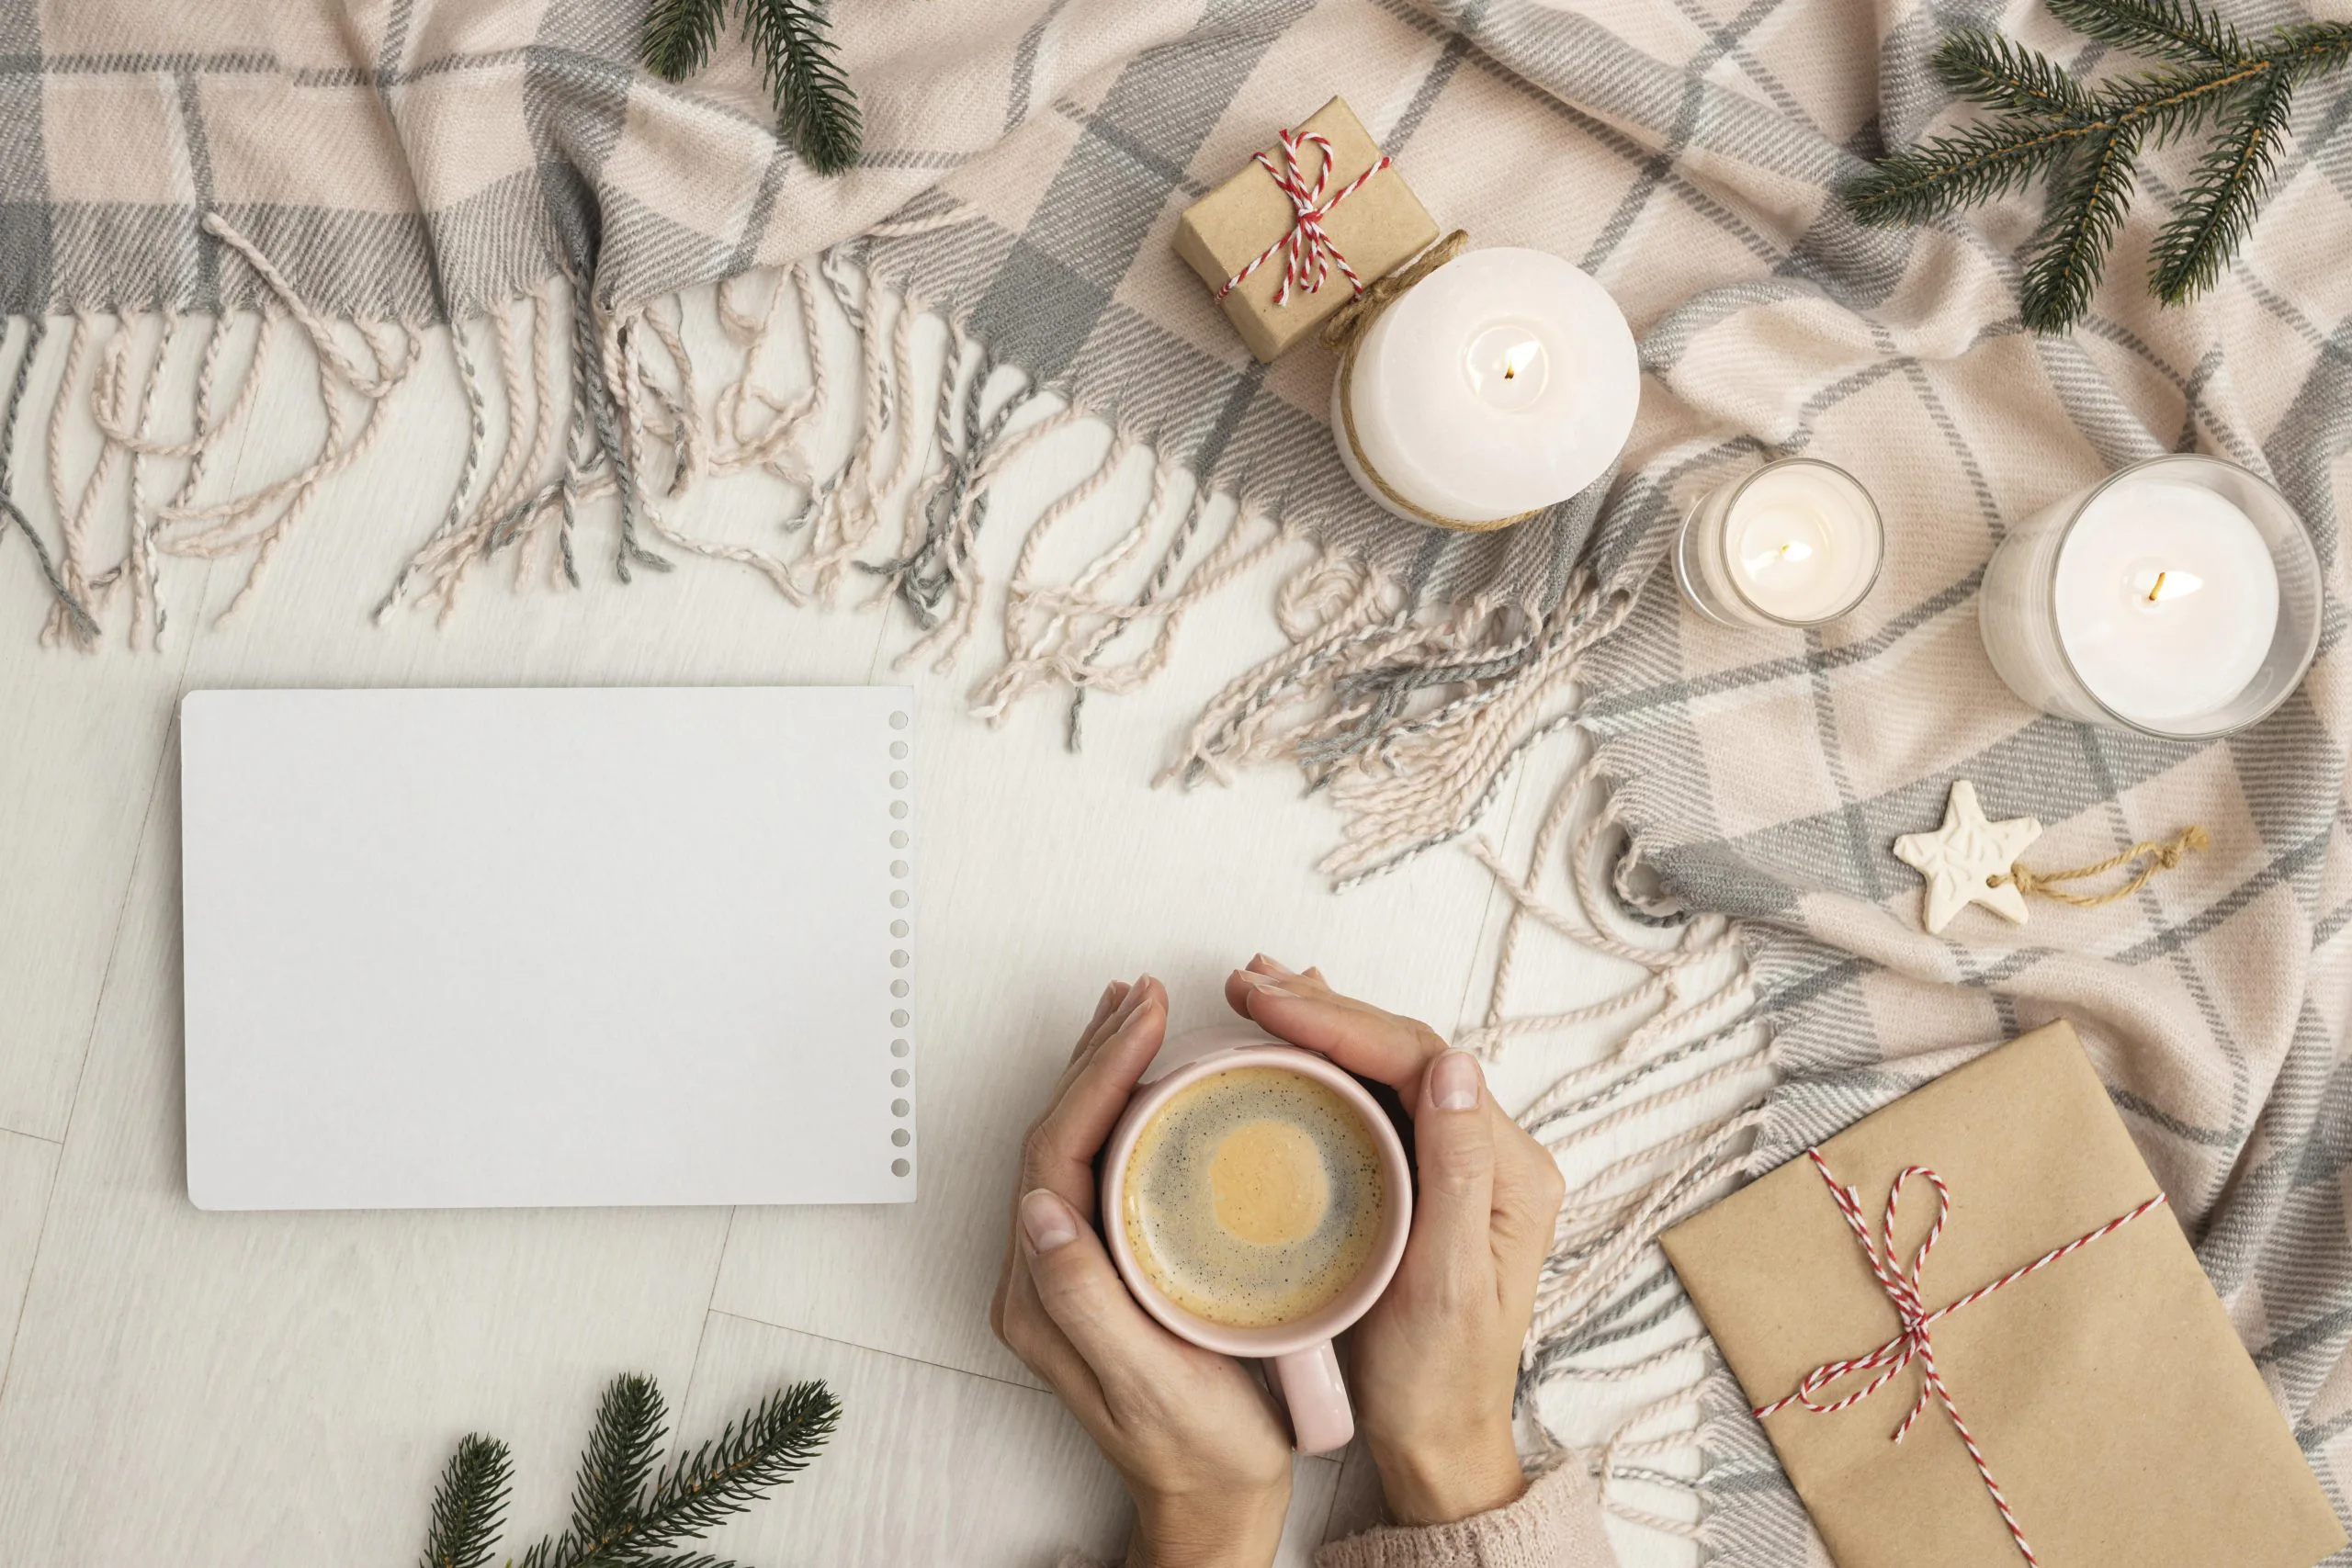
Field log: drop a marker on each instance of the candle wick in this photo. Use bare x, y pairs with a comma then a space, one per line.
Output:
2158, 589
1511, 372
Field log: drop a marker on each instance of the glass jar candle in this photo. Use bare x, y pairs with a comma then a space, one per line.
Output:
1795, 544
1502, 383
2179, 597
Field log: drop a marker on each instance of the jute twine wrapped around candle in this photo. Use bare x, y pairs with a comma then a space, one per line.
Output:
1347, 328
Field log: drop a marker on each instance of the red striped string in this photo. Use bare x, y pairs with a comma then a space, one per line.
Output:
1912, 1342
1308, 253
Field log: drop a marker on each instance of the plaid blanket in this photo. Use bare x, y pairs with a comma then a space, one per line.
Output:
344, 180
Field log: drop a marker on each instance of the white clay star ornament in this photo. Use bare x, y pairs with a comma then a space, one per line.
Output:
1960, 859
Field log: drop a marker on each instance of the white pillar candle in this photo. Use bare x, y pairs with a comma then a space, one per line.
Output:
1502, 383
1796, 543
2180, 597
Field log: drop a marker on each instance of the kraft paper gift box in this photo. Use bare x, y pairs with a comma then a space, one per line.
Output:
2112, 1403
1374, 227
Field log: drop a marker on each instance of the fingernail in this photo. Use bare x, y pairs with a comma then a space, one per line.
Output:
1104, 1000
1135, 999
1258, 982
1278, 967
1046, 1222
1454, 1082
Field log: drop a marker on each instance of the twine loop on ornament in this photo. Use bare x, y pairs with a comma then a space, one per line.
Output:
1912, 1341
1309, 255
1346, 328
2159, 855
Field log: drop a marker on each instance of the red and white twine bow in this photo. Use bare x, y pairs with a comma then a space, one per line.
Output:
1911, 1342
1309, 255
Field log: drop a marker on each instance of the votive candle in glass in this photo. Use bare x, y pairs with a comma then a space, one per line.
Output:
1796, 543
2179, 597
1502, 383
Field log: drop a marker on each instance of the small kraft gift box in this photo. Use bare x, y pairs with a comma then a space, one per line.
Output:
1306, 224
1977, 1337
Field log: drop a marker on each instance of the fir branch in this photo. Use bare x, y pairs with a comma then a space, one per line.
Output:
2087, 207
624, 1513
2309, 49
773, 1442
813, 100
1994, 72
2215, 213
623, 1448
679, 35
2168, 30
2159, 106
816, 110
1973, 164
1979, 163
469, 1506
2085, 140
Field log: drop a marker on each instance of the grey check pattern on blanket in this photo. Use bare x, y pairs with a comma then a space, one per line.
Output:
357, 177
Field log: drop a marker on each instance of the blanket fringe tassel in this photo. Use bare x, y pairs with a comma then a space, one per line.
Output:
1411, 720
1608, 1309
1408, 717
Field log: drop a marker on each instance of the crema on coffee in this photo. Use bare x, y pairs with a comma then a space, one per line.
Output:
1254, 1197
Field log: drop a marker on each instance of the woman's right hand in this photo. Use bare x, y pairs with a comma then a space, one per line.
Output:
1198, 1442
1434, 1366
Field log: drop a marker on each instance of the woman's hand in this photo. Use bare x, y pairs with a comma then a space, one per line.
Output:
1204, 1454
1432, 1367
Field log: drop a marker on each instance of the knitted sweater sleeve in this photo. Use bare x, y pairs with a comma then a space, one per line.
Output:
1556, 1524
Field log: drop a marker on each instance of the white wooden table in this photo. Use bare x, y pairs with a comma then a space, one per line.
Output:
282, 1389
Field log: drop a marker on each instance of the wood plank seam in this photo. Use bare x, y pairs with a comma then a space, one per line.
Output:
24, 1294
709, 1306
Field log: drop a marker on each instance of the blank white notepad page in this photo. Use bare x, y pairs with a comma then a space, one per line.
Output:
465, 948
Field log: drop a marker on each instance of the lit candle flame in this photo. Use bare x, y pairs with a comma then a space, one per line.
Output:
2174, 585
1517, 358
1765, 558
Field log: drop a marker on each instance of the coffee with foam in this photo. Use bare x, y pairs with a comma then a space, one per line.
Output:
1254, 1197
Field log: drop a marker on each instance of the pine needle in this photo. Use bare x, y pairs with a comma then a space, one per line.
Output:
773, 1442
624, 1513
816, 110
469, 1506
813, 100
2216, 212
1973, 165
623, 1448
2168, 30
2309, 49
1999, 74
2087, 206
679, 35
2084, 139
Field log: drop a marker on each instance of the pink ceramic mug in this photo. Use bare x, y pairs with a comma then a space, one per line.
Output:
1302, 1369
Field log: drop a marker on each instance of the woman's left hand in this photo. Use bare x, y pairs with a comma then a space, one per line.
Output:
1434, 1365
1198, 1442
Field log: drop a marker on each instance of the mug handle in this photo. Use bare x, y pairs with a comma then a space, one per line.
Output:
1307, 1383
